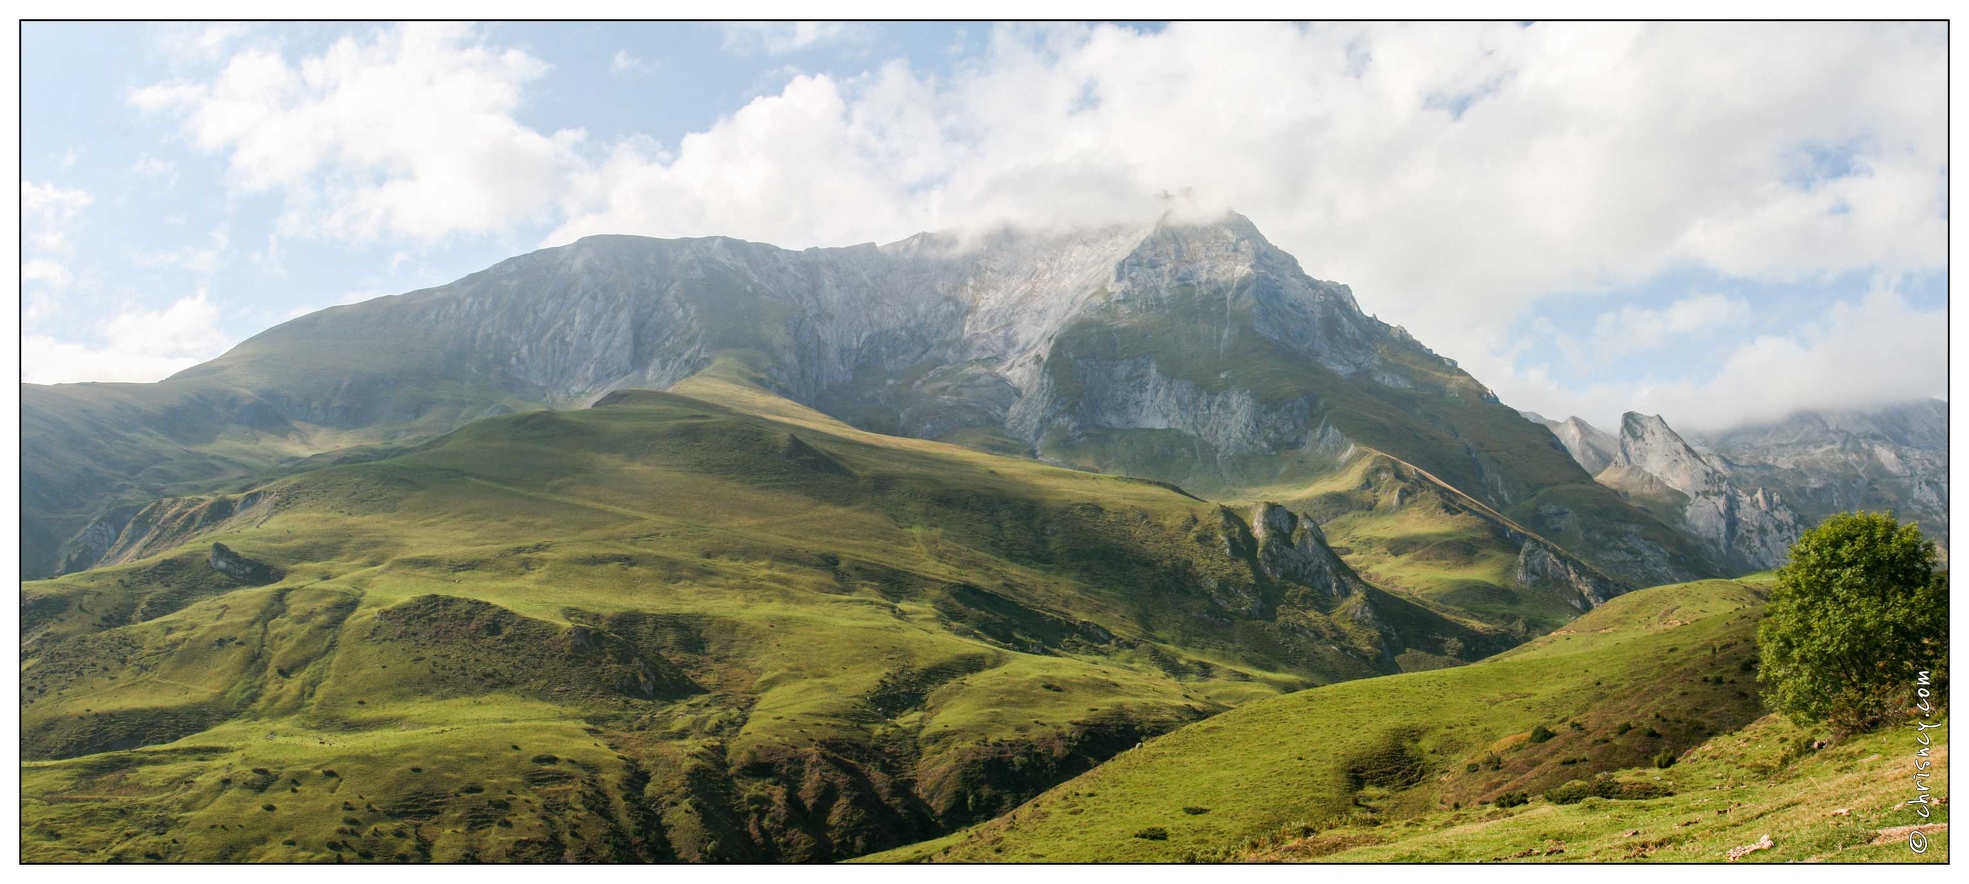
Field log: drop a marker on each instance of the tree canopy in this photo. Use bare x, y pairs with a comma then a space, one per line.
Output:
1858, 611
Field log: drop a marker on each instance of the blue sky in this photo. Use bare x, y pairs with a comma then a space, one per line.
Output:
1713, 222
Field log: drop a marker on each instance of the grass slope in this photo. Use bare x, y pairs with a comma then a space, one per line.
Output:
1846, 803
1662, 670
712, 631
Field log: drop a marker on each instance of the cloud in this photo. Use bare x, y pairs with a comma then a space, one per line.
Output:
778, 38
49, 213
410, 133
187, 43
44, 271
623, 63
134, 346
1456, 175
201, 261
1874, 350
1633, 329
152, 167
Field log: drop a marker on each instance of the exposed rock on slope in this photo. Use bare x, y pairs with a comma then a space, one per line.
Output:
1750, 527
1541, 569
1893, 458
247, 571
1193, 353
1592, 447
130, 533
1291, 548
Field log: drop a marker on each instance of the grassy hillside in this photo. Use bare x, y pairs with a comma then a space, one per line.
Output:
663, 627
1845, 803
1663, 673
1410, 533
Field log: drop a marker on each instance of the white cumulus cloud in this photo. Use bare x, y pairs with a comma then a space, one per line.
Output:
1632, 329
49, 213
409, 133
1456, 175
134, 345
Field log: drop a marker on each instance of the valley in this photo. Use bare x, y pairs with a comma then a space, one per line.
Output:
704, 550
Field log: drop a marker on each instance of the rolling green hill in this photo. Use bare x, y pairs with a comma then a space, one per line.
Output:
707, 626
1410, 767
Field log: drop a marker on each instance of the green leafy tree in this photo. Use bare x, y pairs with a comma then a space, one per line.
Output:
1858, 610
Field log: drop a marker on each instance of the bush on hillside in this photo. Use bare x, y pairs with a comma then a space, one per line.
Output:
1541, 733
1859, 612
1512, 799
1573, 792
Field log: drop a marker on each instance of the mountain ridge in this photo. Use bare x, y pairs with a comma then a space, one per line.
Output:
1195, 354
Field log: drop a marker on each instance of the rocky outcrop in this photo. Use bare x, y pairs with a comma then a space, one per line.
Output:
246, 571
126, 534
1748, 526
1892, 458
1291, 548
1541, 569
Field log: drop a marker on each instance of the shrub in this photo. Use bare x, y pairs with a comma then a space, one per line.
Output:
1643, 791
1665, 758
1153, 833
1470, 768
1512, 799
1858, 609
1541, 733
1573, 792
1196, 811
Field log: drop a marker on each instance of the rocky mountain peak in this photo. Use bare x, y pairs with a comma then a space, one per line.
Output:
1744, 523
1648, 444
1592, 448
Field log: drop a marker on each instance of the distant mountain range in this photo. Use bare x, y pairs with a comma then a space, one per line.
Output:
1748, 492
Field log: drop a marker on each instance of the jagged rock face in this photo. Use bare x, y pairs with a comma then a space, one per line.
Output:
1291, 548
241, 568
1823, 462
1748, 526
919, 337
1540, 569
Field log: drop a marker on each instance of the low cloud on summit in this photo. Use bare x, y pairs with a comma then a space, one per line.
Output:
1460, 177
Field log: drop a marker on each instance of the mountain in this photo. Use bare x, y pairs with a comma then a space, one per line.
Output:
1591, 447
755, 554
1748, 492
715, 626
1893, 458
1749, 526
1194, 354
